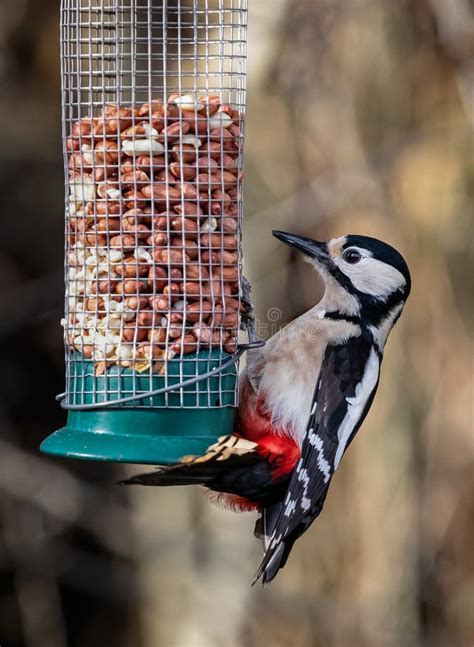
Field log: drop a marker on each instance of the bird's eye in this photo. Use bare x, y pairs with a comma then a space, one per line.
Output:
351, 256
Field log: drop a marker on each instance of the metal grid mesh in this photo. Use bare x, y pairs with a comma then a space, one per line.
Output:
153, 111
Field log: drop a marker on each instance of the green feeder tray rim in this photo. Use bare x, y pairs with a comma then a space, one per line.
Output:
241, 349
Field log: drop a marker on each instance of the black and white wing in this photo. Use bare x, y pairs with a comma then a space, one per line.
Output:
343, 395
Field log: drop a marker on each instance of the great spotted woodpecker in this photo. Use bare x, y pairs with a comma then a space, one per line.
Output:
304, 396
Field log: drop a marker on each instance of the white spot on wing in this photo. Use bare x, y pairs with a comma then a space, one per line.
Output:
323, 464
290, 508
357, 403
303, 476
305, 503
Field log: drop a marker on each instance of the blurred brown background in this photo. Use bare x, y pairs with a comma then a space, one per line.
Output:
357, 122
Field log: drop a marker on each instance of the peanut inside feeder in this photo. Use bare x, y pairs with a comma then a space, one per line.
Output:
153, 260
153, 110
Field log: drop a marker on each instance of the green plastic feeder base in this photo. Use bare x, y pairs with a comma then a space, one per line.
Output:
139, 435
153, 435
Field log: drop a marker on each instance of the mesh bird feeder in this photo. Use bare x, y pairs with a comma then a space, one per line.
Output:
153, 110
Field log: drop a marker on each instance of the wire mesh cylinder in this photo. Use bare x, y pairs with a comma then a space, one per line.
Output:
153, 115
153, 99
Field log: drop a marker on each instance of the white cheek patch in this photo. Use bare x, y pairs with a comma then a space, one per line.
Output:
373, 277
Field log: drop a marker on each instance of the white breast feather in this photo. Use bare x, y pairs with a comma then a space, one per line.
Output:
291, 367
288, 396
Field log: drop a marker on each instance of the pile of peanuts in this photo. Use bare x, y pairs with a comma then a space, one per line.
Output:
153, 265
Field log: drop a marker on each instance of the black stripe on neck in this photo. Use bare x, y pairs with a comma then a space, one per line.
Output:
375, 310
339, 316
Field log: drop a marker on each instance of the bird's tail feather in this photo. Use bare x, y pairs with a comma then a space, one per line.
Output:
266, 523
274, 557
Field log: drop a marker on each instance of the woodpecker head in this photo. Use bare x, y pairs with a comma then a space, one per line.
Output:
364, 277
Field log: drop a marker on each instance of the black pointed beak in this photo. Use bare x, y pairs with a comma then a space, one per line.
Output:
312, 248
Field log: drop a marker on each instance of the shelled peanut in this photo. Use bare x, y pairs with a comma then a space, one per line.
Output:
153, 232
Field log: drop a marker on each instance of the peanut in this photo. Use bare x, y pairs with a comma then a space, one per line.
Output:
108, 208
134, 199
102, 172
136, 303
170, 256
157, 278
157, 335
114, 119
183, 171
130, 286
187, 102
95, 304
185, 153
230, 304
230, 320
160, 222
133, 334
159, 240
105, 286
213, 149
229, 225
175, 130
230, 346
171, 290
189, 246
211, 105
219, 202
198, 310
220, 120
72, 144
152, 107
149, 163
130, 268
197, 271
203, 333
207, 164
160, 303
106, 150
131, 180
148, 351
108, 226
153, 262
186, 225
187, 191
125, 242
161, 192
170, 112
194, 289
145, 319
82, 129
165, 177
175, 316
175, 274
188, 209
185, 344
